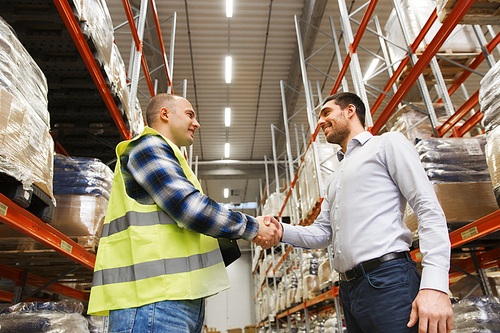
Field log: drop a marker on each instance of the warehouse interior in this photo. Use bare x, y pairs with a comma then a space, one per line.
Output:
88, 68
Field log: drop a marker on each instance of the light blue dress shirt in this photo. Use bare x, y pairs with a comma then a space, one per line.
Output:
362, 213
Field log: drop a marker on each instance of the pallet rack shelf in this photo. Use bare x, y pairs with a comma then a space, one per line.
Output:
467, 237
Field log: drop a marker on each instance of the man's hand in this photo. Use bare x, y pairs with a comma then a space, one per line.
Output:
433, 309
268, 234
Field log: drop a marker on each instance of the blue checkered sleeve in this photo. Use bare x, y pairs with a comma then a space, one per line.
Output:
153, 166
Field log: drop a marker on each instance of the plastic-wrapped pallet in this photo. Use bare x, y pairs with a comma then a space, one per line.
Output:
50, 317
412, 124
274, 203
482, 12
307, 184
310, 267
461, 40
477, 314
493, 159
454, 159
291, 289
96, 24
21, 76
82, 187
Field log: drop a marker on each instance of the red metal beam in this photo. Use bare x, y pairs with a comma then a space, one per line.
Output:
480, 57
162, 46
15, 275
138, 45
469, 124
23, 221
449, 24
414, 46
80, 42
459, 114
475, 230
354, 45
6, 296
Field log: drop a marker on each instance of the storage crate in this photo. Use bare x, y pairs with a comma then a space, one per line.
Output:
482, 12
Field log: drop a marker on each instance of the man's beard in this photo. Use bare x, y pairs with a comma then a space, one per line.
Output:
338, 136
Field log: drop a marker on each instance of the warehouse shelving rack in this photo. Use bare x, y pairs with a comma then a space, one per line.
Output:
480, 258
71, 262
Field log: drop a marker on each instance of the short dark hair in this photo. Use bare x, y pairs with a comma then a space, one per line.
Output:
343, 99
156, 103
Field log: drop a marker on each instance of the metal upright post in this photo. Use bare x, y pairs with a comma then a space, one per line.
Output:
172, 47
490, 60
345, 87
385, 53
421, 81
136, 69
441, 88
268, 186
355, 68
275, 159
293, 212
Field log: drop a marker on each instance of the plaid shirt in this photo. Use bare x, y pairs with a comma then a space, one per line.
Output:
152, 174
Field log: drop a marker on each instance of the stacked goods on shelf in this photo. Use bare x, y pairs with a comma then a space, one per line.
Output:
97, 26
82, 187
51, 317
477, 314
26, 152
328, 160
481, 12
489, 99
307, 185
458, 171
291, 290
274, 203
414, 124
310, 273
461, 46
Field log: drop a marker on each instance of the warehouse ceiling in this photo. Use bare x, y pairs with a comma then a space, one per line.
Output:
261, 37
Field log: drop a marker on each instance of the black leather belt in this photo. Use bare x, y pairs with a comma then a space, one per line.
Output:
371, 265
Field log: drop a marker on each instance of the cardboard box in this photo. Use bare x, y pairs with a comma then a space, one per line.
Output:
461, 202
250, 329
235, 330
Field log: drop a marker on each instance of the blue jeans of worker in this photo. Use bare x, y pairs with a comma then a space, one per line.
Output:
380, 301
185, 316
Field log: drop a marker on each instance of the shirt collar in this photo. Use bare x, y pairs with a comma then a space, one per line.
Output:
361, 139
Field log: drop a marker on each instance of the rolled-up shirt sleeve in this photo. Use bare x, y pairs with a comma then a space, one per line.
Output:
154, 166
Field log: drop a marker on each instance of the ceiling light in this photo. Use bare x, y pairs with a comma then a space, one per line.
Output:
226, 193
226, 150
371, 69
229, 8
229, 64
228, 117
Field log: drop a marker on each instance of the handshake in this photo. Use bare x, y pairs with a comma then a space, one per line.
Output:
270, 232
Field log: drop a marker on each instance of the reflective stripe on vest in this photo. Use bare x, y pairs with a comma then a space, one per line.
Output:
150, 269
141, 219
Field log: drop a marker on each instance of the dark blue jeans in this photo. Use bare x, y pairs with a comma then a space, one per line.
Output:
160, 317
380, 301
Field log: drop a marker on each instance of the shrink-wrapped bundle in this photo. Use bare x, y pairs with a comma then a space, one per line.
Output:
274, 203
291, 289
281, 296
310, 273
493, 159
477, 314
26, 147
461, 40
50, 317
80, 175
307, 184
489, 98
448, 160
82, 187
96, 24
324, 274
21, 76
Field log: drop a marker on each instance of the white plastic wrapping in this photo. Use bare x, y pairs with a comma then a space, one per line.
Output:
489, 98
492, 150
21, 76
461, 40
95, 22
50, 317
481, 12
307, 184
274, 203
26, 147
477, 314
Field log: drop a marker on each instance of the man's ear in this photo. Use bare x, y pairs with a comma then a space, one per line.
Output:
351, 110
164, 113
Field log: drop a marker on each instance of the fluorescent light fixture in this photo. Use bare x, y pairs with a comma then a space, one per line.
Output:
226, 150
229, 65
371, 69
228, 117
229, 8
226, 193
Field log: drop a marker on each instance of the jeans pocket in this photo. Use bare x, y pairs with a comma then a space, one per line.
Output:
388, 276
122, 321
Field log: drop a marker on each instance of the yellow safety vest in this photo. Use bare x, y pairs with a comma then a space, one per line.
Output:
145, 257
